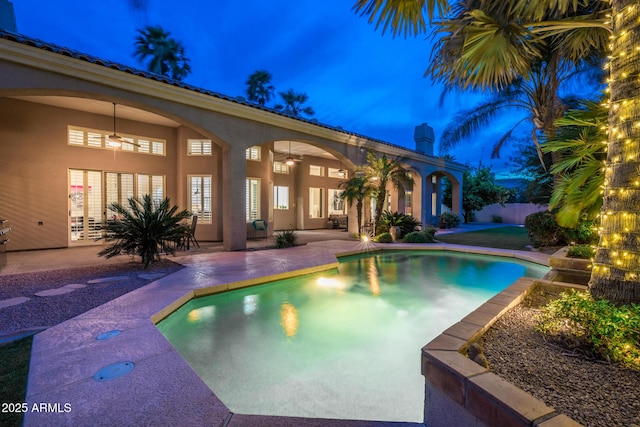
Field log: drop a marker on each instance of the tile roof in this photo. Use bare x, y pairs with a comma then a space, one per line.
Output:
40, 44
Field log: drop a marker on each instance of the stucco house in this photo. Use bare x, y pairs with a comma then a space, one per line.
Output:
222, 158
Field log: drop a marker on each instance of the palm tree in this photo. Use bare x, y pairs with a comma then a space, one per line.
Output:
526, 102
166, 55
259, 87
616, 268
579, 175
145, 228
357, 189
382, 171
492, 53
294, 104
533, 92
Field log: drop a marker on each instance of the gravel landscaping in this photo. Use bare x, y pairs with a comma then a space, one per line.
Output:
47, 311
593, 393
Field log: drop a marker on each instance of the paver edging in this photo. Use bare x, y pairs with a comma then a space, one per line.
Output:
469, 387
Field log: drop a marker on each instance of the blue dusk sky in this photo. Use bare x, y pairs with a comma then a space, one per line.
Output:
354, 76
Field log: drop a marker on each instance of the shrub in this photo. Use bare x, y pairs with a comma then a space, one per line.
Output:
144, 228
418, 237
581, 251
409, 224
613, 332
285, 239
543, 230
389, 219
496, 219
383, 238
430, 232
450, 220
584, 233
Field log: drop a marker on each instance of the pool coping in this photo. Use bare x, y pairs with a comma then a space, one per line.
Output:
461, 392
162, 388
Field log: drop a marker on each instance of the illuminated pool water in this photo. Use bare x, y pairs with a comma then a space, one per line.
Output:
338, 344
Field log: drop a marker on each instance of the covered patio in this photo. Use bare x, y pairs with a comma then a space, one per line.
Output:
178, 139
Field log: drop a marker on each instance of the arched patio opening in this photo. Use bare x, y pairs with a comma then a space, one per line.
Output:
433, 194
295, 184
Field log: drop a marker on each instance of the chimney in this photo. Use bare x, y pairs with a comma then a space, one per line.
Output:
7, 16
424, 138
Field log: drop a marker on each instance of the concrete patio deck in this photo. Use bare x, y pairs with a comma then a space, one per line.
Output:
162, 389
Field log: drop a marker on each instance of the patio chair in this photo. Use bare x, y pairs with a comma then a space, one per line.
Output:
190, 235
259, 225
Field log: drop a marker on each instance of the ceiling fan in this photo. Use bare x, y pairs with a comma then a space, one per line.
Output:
290, 160
114, 140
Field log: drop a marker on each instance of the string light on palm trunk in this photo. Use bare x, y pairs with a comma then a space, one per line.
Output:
617, 259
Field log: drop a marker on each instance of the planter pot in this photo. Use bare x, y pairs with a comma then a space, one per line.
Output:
395, 232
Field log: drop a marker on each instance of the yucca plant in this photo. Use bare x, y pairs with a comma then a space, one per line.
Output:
285, 239
389, 219
145, 228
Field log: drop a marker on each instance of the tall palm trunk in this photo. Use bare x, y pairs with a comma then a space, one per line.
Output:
381, 198
359, 204
616, 267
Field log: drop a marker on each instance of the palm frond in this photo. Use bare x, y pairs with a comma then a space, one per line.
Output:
577, 190
494, 53
495, 152
582, 42
400, 16
144, 228
468, 122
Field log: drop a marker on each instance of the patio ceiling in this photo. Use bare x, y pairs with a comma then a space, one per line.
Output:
100, 107
298, 149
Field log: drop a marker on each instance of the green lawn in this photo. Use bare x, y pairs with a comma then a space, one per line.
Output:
13, 377
507, 237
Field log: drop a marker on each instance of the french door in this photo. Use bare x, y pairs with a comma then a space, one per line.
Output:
91, 194
118, 189
85, 206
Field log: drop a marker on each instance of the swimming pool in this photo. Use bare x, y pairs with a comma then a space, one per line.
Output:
343, 343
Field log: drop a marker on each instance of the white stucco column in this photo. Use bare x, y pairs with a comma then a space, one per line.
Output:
436, 188
456, 199
426, 205
234, 175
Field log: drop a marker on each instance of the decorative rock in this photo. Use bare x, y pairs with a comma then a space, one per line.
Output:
107, 279
13, 301
477, 355
54, 292
75, 286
